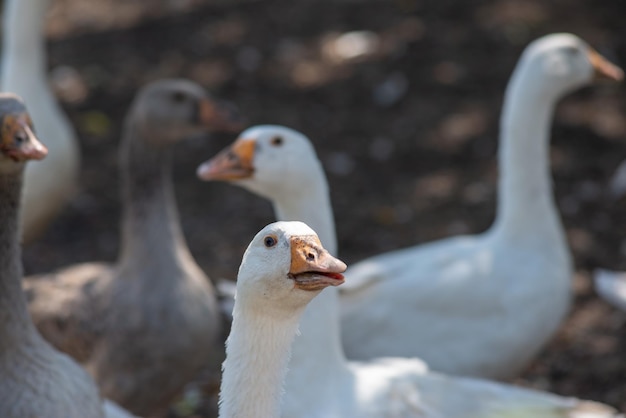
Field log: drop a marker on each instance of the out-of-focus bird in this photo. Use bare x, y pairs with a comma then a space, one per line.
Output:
142, 326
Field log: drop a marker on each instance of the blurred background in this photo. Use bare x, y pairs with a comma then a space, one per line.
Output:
401, 99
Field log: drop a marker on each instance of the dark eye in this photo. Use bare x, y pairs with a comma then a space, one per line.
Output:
20, 138
277, 141
269, 241
178, 97
571, 50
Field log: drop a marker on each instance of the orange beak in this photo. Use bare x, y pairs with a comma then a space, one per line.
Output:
604, 70
18, 140
232, 163
312, 267
218, 116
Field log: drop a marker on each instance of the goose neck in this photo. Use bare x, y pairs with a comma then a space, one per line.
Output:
311, 205
15, 324
150, 224
317, 353
257, 355
319, 325
525, 199
23, 42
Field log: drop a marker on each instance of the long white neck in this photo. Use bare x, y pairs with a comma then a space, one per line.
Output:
525, 199
23, 47
257, 356
317, 352
312, 207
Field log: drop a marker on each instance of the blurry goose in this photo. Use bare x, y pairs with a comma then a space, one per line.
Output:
276, 162
35, 379
283, 269
611, 285
484, 305
24, 72
141, 326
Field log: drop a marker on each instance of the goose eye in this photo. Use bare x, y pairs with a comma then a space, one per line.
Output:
269, 241
571, 50
20, 138
178, 97
277, 141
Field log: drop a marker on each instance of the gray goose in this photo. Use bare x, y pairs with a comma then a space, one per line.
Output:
33, 376
142, 326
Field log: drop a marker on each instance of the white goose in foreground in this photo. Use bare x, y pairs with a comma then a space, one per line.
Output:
283, 269
281, 164
35, 379
49, 185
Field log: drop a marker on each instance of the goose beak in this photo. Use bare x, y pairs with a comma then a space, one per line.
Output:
218, 116
312, 267
18, 141
603, 69
232, 163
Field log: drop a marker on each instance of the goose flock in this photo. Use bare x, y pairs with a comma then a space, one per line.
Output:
429, 331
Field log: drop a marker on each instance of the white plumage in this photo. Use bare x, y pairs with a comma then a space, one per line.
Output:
484, 305
281, 164
273, 287
611, 285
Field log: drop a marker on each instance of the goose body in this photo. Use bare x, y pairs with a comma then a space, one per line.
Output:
24, 72
140, 326
276, 162
482, 308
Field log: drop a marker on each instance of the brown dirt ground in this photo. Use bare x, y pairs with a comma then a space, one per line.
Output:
414, 168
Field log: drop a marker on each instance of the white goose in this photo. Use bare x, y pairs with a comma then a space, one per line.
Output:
461, 304
283, 269
611, 285
484, 305
24, 72
280, 164
497, 297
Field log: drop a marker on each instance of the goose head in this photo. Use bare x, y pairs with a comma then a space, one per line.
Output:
174, 109
560, 63
269, 160
285, 267
18, 142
